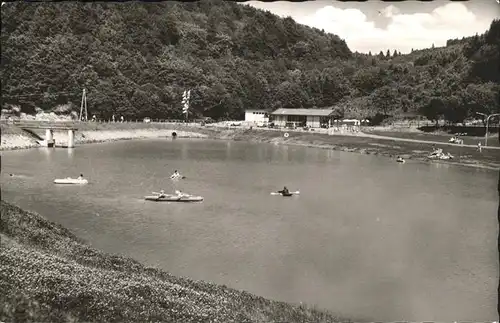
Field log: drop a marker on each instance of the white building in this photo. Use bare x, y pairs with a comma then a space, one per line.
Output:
313, 118
257, 116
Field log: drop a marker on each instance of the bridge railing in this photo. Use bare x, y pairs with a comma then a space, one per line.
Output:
44, 123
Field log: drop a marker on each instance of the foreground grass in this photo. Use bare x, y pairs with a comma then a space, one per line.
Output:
49, 275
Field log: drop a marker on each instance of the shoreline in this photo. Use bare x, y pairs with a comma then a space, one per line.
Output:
363, 143
18, 140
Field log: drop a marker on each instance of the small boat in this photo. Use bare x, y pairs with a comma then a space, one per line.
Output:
446, 156
174, 198
438, 154
287, 194
69, 180
400, 160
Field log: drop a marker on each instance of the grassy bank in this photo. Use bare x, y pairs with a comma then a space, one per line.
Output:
361, 143
49, 275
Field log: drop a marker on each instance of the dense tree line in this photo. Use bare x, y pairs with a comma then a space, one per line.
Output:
136, 59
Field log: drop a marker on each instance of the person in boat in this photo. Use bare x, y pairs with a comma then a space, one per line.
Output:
162, 194
181, 194
80, 177
175, 175
284, 191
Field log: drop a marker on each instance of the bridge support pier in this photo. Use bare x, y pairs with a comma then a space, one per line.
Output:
49, 138
71, 138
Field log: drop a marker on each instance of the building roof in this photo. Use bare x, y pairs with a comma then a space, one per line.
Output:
256, 110
304, 112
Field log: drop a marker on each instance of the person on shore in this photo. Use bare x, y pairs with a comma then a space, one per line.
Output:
479, 148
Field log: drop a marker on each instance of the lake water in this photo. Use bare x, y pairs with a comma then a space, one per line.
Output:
367, 238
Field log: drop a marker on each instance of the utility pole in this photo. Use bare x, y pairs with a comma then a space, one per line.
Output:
487, 116
82, 105
185, 101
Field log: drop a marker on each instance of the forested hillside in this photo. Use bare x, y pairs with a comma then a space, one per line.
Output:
136, 59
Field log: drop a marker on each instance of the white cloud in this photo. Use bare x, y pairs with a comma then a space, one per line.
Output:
390, 11
404, 31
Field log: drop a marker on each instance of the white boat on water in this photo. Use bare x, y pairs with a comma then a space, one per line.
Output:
173, 198
285, 194
69, 180
178, 197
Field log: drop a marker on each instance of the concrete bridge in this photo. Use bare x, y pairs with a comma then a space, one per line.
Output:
50, 127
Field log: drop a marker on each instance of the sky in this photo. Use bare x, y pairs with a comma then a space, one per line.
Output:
378, 26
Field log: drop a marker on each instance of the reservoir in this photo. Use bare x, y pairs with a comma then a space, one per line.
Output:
367, 238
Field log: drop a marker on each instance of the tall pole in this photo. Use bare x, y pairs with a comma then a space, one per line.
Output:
86, 110
185, 101
487, 124
82, 105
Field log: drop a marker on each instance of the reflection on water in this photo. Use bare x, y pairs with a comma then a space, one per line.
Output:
366, 238
441, 166
184, 151
47, 152
228, 149
71, 152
